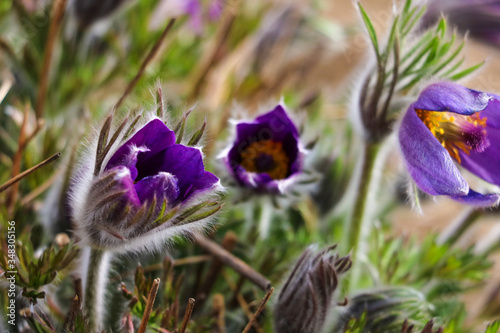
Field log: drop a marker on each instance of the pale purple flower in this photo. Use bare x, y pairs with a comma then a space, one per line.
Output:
198, 12
448, 125
266, 154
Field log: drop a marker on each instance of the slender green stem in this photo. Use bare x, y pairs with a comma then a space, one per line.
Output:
358, 216
460, 225
356, 228
97, 272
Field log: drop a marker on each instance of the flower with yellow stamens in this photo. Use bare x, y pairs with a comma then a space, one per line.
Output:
450, 123
266, 154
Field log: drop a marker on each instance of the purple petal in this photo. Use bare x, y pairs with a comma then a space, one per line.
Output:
163, 186
261, 182
278, 121
206, 181
185, 163
492, 112
126, 183
215, 9
194, 10
155, 136
485, 164
477, 199
428, 162
447, 96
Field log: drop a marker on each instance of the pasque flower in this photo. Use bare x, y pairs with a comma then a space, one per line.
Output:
481, 18
266, 154
149, 187
451, 124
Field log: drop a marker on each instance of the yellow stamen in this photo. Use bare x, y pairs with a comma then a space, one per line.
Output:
450, 129
279, 161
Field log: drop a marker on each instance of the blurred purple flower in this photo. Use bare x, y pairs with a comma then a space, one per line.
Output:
266, 153
481, 18
153, 165
450, 123
198, 12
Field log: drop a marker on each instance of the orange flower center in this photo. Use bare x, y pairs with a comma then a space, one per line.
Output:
456, 132
266, 156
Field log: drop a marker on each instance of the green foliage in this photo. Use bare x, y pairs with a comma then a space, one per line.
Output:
400, 262
356, 325
34, 271
493, 327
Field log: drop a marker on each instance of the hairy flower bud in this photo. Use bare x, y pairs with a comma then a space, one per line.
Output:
386, 310
143, 190
308, 293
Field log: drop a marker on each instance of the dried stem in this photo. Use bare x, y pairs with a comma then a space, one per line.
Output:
149, 305
16, 161
210, 60
159, 102
259, 310
228, 243
237, 264
27, 172
55, 23
39, 190
241, 300
145, 64
187, 315
219, 310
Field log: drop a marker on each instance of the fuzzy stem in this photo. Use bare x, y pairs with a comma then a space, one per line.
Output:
451, 234
356, 228
97, 273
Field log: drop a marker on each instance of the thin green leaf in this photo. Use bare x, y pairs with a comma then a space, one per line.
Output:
371, 30
467, 71
197, 135
180, 131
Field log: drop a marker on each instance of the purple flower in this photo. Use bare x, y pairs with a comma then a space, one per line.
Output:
154, 166
266, 153
149, 189
197, 11
481, 18
447, 124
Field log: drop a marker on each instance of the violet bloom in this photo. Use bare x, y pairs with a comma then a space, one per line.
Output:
481, 18
451, 124
266, 154
157, 167
150, 189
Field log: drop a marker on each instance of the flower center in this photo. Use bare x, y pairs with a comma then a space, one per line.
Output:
266, 156
456, 132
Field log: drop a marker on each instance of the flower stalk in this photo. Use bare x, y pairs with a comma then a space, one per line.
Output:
460, 226
359, 221
97, 273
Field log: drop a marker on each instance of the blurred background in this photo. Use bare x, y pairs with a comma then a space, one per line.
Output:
229, 59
